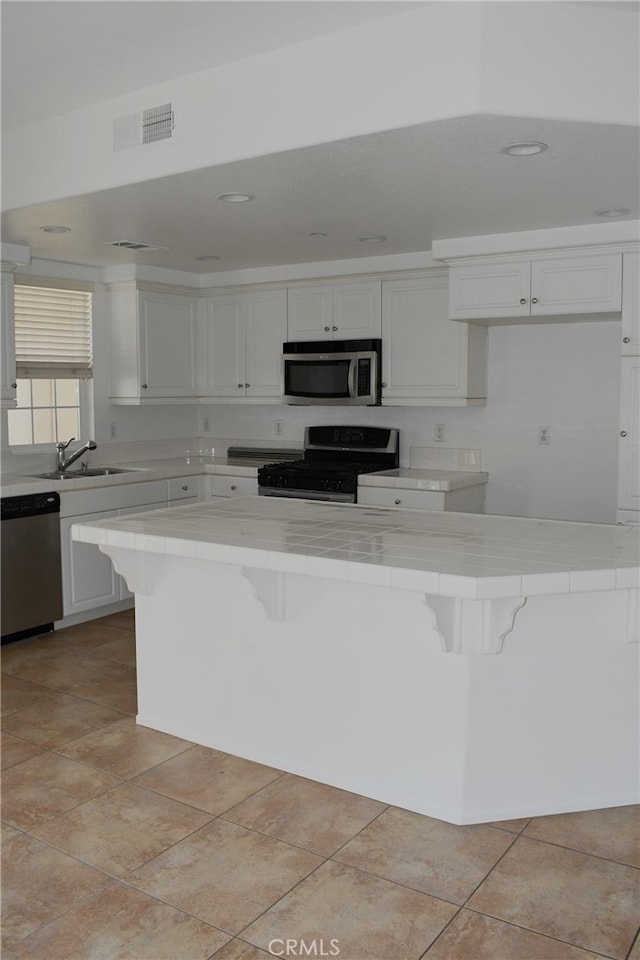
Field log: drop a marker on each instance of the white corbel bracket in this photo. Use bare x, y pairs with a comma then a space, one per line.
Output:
133, 565
473, 626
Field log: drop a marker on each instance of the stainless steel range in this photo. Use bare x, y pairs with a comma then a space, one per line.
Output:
333, 458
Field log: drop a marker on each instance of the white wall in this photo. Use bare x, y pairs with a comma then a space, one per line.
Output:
565, 376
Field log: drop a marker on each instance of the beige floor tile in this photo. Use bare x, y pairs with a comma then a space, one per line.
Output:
40, 884
238, 950
93, 633
59, 719
208, 779
613, 833
309, 814
369, 917
125, 619
225, 874
119, 692
47, 786
429, 855
472, 936
14, 750
513, 826
18, 694
120, 830
635, 950
121, 650
121, 924
124, 748
68, 674
583, 900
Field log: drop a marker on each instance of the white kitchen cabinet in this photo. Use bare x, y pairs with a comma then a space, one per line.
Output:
244, 333
344, 310
153, 345
228, 485
8, 382
426, 358
182, 490
506, 289
465, 499
631, 304
629, 441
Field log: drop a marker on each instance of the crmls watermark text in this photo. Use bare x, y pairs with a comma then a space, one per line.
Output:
304, 948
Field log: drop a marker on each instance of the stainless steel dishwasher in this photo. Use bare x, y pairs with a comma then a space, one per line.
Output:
31, 578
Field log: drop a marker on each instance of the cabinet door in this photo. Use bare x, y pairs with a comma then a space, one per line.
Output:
265, 332
356, 309
310, 312
168, 345
226, 485
425, 356
489, 291
631, 304
88, 577
629, 441
8, 359
225, 346
576, 285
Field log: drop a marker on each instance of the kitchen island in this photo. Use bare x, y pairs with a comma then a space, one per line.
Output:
469, 667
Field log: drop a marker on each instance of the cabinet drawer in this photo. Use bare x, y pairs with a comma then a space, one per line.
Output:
74, 503
410, 499
181, 488
229, 486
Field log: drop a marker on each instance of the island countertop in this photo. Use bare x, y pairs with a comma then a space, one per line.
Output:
445, 554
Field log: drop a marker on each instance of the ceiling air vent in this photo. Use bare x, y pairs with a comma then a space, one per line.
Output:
134, 245
146, 126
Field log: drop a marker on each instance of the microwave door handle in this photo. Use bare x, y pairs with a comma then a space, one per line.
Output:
353, 378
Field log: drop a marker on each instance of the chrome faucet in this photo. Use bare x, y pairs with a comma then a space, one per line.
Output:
61, 447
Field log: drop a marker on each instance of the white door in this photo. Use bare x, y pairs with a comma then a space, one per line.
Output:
88, 577
576, 285
631, 304
357, 309
225, 346
265, 332
310, 312
489, 291
629, 441
168, 345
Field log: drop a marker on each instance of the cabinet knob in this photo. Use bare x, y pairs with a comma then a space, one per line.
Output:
247, 384
334, 328
240, 385
144, 386
14, 386
185, 487
326, 329
523, 300
383, 384
623, 433
534, 299
624, 340
233, 486
397, 501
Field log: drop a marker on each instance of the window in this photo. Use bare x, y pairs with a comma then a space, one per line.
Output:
53, 362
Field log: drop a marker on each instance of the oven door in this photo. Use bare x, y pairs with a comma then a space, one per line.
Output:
327, 378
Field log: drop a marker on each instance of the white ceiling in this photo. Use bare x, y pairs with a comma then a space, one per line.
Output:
413, 185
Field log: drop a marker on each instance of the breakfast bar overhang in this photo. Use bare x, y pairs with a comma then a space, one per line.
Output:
472, 668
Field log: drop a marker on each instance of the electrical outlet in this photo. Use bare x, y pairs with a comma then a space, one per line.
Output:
112, 431
438, 432
544, 434
279, 427
205, 425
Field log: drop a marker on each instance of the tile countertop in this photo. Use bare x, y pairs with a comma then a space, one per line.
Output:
472, 556
412, 478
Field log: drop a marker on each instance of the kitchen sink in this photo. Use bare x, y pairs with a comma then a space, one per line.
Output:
79, 474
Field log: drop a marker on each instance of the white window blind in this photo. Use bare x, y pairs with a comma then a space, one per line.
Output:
52, 331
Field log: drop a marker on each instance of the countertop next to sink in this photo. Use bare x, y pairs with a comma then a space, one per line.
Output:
412, 478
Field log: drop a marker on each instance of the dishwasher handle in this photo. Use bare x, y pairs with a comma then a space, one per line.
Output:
29, 505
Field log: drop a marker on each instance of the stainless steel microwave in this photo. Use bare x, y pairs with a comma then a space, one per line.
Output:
338, 372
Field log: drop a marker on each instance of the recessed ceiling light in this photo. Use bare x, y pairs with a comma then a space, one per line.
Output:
234, 197
372, 239
208, 257
614, 212
318, 233
526, 148
54, 229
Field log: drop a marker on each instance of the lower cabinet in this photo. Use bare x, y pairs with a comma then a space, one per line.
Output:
465, 500
227, 485
629, 442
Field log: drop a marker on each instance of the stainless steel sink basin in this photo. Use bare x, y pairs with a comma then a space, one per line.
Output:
79, 474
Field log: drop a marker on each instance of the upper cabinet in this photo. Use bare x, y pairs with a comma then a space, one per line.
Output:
503, 290
153, 345
8, 383
243, 335
343, 310
631, 304
426, 358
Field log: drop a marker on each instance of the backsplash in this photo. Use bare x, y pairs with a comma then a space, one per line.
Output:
445, 458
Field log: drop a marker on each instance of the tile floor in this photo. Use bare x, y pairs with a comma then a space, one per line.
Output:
122, 843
